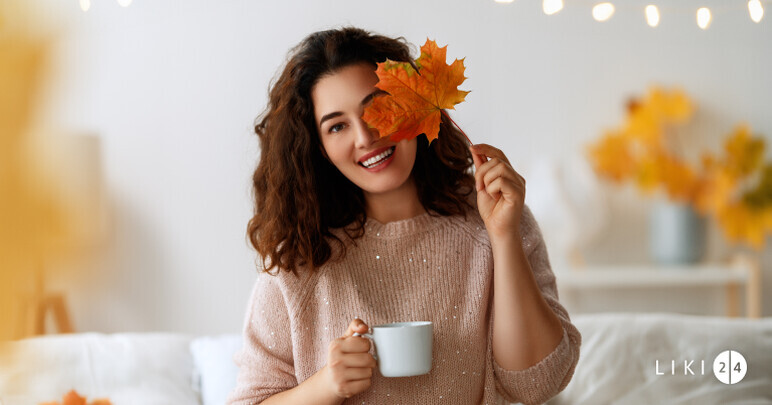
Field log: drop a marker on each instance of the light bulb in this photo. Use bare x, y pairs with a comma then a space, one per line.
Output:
703, 17
603, 11
755, 10
552, 6
85, 5
652, 15
124, 3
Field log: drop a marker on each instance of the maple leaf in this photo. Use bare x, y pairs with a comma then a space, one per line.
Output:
73, 398
415, 99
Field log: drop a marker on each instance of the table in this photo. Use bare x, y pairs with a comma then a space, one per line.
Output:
740, 272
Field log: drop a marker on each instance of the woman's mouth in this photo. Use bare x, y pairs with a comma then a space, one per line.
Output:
379, 162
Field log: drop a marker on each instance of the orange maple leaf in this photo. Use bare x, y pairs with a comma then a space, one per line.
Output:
415, 99
73, 398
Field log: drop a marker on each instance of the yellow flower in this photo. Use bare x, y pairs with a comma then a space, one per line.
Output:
672, 107
742, 223
680, 180
643, 125
611, 157
715, 190
638, 152
744, 154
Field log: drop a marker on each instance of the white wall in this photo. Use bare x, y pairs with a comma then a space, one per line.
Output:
173, 87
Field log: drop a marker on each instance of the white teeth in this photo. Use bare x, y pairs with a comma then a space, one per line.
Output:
375, 159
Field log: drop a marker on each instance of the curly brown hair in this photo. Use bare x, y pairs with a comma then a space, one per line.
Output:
300, 195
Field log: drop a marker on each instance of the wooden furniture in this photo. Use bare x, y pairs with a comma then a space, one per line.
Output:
741, 272
35, 306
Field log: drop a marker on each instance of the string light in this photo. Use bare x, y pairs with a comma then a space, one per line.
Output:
755, 10
602, 11
703, 17
652, 15
552, 6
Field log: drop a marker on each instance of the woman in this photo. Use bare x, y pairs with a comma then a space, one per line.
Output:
360, 230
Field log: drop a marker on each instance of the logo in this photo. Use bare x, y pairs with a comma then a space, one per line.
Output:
729, 367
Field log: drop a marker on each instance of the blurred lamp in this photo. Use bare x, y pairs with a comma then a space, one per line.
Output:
602, 11
703, 17
755, 10
652, 15
551, 7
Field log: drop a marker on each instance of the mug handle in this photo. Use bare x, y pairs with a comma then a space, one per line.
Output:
372, 341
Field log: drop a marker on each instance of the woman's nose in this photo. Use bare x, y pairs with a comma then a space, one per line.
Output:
365, 136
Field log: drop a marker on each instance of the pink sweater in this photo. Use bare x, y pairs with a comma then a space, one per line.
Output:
425, 268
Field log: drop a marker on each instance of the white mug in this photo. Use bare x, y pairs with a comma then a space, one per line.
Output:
402, 349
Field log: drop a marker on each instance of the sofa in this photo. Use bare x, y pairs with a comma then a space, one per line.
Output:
625, 359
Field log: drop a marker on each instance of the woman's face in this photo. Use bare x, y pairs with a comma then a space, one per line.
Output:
374, 164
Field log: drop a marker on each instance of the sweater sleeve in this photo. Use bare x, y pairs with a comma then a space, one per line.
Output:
548, 377
265, 361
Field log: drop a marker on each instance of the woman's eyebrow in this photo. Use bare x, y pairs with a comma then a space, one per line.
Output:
372, 95
365, 101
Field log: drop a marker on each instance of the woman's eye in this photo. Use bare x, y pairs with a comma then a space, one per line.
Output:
336, 128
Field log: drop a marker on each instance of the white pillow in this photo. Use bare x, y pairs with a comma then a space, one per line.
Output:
127, 368
213, 357
619, 353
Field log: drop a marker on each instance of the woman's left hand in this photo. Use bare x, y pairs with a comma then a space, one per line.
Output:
500, 191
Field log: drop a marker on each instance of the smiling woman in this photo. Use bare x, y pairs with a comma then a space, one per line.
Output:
379, 167
363, 230
312, 139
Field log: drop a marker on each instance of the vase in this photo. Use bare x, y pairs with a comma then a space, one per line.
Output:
676, 233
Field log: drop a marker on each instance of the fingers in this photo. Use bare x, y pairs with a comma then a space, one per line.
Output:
480, 154
489, 151
477, 159
350, 366
499, 187
487, 171
355, 374
482, 171
356, 326
355, 345
502, 170
359, 360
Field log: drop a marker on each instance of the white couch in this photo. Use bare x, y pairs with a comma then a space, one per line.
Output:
618, 364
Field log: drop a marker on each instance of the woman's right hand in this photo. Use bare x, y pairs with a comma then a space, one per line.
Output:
350, 366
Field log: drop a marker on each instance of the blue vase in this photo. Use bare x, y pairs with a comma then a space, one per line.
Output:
677, 233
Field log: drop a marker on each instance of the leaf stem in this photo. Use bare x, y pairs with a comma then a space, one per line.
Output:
459, 128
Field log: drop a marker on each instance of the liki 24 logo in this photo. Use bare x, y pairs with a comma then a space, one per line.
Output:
729, 367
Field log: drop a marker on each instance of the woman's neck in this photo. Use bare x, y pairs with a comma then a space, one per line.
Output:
395, 205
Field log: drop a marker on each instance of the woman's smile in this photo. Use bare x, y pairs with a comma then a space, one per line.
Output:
379, 162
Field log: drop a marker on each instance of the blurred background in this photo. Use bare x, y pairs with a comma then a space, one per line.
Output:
127, 148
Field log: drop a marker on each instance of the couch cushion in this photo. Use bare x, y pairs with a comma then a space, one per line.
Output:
215, 368
130, 368
619, 351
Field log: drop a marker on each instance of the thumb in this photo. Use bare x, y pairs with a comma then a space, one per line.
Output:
357, 325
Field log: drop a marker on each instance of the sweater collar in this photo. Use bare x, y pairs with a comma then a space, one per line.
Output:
403, 227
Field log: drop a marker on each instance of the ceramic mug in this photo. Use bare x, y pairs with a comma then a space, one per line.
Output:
402, 349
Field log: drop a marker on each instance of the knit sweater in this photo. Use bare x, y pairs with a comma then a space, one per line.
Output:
426, 268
